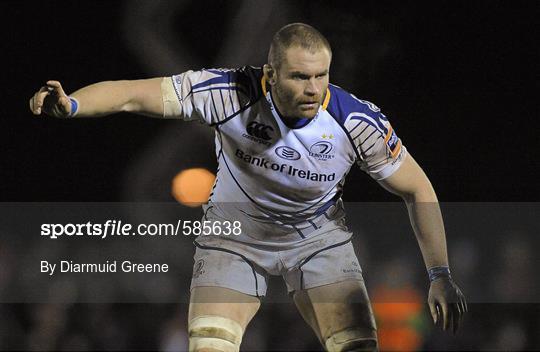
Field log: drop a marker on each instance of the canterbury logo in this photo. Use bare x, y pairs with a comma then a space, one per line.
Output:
259, 130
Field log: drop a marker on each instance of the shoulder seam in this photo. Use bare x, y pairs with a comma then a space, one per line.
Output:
258, 95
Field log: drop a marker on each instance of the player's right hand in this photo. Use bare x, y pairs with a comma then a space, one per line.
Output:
52, 100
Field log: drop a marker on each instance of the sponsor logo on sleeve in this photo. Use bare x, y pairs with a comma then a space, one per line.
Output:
393, 143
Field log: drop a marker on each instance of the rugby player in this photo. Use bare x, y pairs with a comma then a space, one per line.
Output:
285, 140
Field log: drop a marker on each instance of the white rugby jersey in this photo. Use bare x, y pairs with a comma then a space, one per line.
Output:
282, 178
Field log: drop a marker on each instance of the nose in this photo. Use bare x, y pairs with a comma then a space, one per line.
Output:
312, 87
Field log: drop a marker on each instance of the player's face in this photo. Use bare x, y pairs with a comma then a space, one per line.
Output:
301, 82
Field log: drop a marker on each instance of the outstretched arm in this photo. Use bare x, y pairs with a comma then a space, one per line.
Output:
411, 183
100, 99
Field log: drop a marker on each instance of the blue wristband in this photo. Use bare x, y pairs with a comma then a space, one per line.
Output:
437, 272
74, 107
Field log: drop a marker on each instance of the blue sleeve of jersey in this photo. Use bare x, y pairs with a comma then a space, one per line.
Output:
214, 95
378, 149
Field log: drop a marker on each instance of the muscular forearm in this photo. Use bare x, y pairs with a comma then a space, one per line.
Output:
109, 97
103, 98
428, 226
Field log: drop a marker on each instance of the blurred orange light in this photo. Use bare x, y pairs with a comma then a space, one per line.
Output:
399, 339
192, 187
396, 310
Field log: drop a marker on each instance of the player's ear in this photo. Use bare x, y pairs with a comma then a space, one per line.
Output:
270, 74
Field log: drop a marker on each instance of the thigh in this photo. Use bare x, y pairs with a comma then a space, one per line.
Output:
335, 307
223, 302
216, 266
321, 263
225, 283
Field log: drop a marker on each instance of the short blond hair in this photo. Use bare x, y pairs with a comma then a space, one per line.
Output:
295, 34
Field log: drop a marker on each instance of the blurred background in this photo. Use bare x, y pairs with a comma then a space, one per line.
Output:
458, 81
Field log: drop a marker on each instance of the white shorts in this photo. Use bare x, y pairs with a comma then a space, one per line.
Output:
326, 257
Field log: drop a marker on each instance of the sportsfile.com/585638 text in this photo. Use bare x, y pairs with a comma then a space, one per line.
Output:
119, 228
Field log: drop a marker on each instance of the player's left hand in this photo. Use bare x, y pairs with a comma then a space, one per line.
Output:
446, 303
